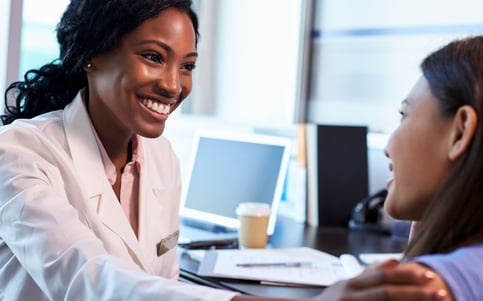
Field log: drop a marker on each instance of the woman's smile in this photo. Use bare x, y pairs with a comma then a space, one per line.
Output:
155, 106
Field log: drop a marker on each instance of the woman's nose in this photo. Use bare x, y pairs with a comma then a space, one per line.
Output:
169, 82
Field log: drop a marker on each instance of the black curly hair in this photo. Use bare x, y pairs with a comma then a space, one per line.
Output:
87, 28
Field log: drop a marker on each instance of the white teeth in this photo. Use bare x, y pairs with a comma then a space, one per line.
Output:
155, 106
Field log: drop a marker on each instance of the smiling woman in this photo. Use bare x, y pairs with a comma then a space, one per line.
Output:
135, 86
85, 177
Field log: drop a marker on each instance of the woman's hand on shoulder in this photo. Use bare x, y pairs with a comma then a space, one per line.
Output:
437, 283
390, 281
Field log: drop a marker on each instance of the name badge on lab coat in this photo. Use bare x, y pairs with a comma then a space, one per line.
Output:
167, 243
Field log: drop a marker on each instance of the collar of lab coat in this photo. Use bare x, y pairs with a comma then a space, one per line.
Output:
88, 163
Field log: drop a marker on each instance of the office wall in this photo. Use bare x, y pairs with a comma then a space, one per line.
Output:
4, 26
11, 51
257, 56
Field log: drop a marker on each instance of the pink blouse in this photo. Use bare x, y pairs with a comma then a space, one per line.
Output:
129, 197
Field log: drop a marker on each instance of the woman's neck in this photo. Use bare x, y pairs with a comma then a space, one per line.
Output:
116, 140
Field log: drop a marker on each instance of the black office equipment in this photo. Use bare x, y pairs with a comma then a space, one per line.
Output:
368, 214
337, 172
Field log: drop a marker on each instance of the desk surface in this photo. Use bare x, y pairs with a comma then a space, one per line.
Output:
288, 233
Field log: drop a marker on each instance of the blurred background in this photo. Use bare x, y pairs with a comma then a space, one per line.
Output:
269, 65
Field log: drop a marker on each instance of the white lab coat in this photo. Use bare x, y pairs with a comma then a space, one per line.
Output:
63, 233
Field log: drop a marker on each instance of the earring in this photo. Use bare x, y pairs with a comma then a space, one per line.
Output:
89, 65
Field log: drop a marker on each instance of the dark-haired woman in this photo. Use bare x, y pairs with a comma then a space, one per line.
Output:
89, 190
436, 158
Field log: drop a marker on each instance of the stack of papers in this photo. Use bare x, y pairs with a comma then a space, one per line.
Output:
300, 266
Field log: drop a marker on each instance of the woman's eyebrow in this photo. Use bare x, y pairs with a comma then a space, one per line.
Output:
166, 47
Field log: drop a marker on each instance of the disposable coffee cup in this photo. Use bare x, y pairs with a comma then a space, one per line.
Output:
253, 219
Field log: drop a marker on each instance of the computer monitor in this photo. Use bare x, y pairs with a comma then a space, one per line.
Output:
227, 168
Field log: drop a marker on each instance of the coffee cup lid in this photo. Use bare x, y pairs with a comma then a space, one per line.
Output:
253, 208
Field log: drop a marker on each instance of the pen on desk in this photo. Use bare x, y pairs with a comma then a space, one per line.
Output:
275, 264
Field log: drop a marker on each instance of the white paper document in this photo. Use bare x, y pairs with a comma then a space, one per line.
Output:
372, 258
302, 266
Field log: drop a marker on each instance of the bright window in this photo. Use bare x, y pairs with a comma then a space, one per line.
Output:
367, 54
38, 41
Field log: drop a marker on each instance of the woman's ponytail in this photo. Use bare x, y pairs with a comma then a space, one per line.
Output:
42, 90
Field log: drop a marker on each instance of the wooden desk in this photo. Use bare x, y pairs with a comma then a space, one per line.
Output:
334, 240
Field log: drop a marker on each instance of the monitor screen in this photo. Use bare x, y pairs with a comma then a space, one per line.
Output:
228, 169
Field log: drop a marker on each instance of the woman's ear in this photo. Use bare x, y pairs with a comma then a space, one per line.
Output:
88, 67
463, 129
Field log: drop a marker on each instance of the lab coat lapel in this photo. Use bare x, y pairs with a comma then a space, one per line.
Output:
150, 208
88, 163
